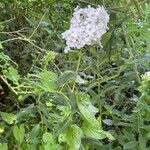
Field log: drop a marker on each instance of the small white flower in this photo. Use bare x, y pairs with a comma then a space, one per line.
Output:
67, 49
86, 27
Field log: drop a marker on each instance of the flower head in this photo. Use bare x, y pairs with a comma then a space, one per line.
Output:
86, 27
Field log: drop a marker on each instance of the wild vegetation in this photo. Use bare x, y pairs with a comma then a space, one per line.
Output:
93, 98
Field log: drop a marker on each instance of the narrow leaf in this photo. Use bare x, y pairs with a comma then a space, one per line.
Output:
19, 133
8, 117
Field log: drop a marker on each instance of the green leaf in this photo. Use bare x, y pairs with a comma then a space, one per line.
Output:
109, 135
106, 37
3, 146
66, 76
47, 82
19, 133
2, 127
93, 132
130, 145
4, 57
142, 142
12, 74
65, 111
50, 144
49, 56
73, 137
8, 117
33, 135
87, 110
61, 127
91, 126
94, 142
108, 122
48, 76
1, 46
26, 112
48, 138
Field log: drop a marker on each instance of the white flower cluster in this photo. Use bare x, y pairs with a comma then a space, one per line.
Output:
86, 28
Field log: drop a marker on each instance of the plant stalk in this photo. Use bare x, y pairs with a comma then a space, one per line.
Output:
132, 57
77, 70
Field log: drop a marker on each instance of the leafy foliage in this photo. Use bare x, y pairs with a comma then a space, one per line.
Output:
95, 98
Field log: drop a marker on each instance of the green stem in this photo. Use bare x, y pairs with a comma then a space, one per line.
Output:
6, 21
77, 70
41, 115
132, 57
37, 26
66, 98
24, 39
9, 86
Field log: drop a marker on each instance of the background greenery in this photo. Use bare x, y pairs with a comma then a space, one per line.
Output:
92, 99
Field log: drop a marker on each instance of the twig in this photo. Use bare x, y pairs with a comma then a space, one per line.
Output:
55, 31
24, 39
84, 1
9, 86
13, 32
57, 68
41, 49
7, 21
13, 39
37, 26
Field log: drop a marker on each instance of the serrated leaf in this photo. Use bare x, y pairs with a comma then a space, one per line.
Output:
47, 82
33, 135
142, 142
91, 131
25, 112
61, 127
91, 126
19, 133
87, 110
8, 117
73, 137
